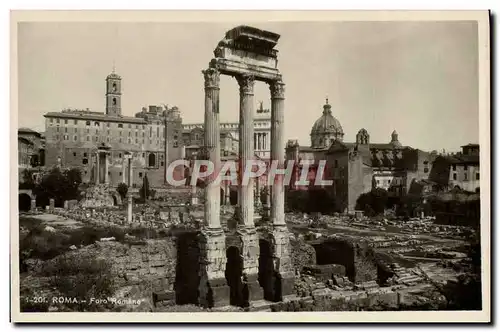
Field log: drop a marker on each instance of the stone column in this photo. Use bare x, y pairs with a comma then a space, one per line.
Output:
212, 145
130, 172
106, 168
283, 267
129, 208
246, 200
278, 151
97, 175
213, 290
124, 169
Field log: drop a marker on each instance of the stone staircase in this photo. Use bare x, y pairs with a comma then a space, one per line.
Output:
404, 277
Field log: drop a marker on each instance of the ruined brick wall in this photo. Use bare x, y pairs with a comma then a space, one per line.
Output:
151, 263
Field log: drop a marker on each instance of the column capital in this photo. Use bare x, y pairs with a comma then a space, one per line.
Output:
212, 78
277, 89
246, 83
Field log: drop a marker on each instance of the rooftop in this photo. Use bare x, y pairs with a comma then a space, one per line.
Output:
87, 115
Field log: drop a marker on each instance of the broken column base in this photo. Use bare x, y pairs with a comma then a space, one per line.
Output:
285, 274
284, 285
213, 288
253, 289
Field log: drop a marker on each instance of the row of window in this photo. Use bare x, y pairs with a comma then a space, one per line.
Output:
454, 167
98, 124
134, 154
58, 129
466, 176
120, 140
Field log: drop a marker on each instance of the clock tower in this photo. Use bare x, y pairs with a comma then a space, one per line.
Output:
113, 94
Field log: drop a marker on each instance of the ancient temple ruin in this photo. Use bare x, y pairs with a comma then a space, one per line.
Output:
247, 54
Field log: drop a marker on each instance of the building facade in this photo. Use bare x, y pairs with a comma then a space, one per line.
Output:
459, 170
357, 167
98, 143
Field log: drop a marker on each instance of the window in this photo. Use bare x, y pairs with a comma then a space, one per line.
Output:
142, 134
336, 163
129, 141
66, 137
88, 138
74, 154
129, 126
140, 174
51, 120
88, 130
119, 140
107, 139
57, 120
121, 173
75, 138
120, 125
465, 167
57, 137
108, 124
114, 101
87, 123
96, 131
85, 161
143, 155
136, 134
65, 121
161, 163
426, 170
477, 176
57, 129
76, 130
136, 141
426, 162
454, 176
85, 154
108, 132
65, 129
465, 177
129, 133
76, 122
454, 167
114, 87
96, 138
85, 172
157, 131
378, 182
176, 144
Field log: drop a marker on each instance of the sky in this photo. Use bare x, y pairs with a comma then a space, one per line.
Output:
418, 78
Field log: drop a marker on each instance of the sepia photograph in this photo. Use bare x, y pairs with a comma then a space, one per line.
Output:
264, 166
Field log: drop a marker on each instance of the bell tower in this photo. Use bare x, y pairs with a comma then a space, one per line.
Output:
113, 94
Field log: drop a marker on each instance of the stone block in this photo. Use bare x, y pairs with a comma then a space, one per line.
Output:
33, 205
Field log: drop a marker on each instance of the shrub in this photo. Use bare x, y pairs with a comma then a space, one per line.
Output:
83, 278
122, 189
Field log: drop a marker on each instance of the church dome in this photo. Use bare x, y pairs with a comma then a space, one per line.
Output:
326, 129
327, 123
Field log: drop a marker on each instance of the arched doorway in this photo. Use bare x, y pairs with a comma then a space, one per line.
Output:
233, 197
152, 160
234, 272
266, 270
24, 202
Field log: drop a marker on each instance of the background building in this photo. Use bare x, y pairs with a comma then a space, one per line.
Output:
73, 138
358, 167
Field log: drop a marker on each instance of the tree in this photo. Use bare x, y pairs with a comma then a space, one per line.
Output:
373, 202
58, 185
122, 189
27, 180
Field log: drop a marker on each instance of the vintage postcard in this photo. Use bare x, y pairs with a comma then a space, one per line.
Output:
272, 166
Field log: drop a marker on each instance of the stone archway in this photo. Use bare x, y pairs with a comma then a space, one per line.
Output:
234, 273
24, 202
233, 197
267, 278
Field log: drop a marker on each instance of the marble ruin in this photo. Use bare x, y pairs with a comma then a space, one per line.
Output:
248, 55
